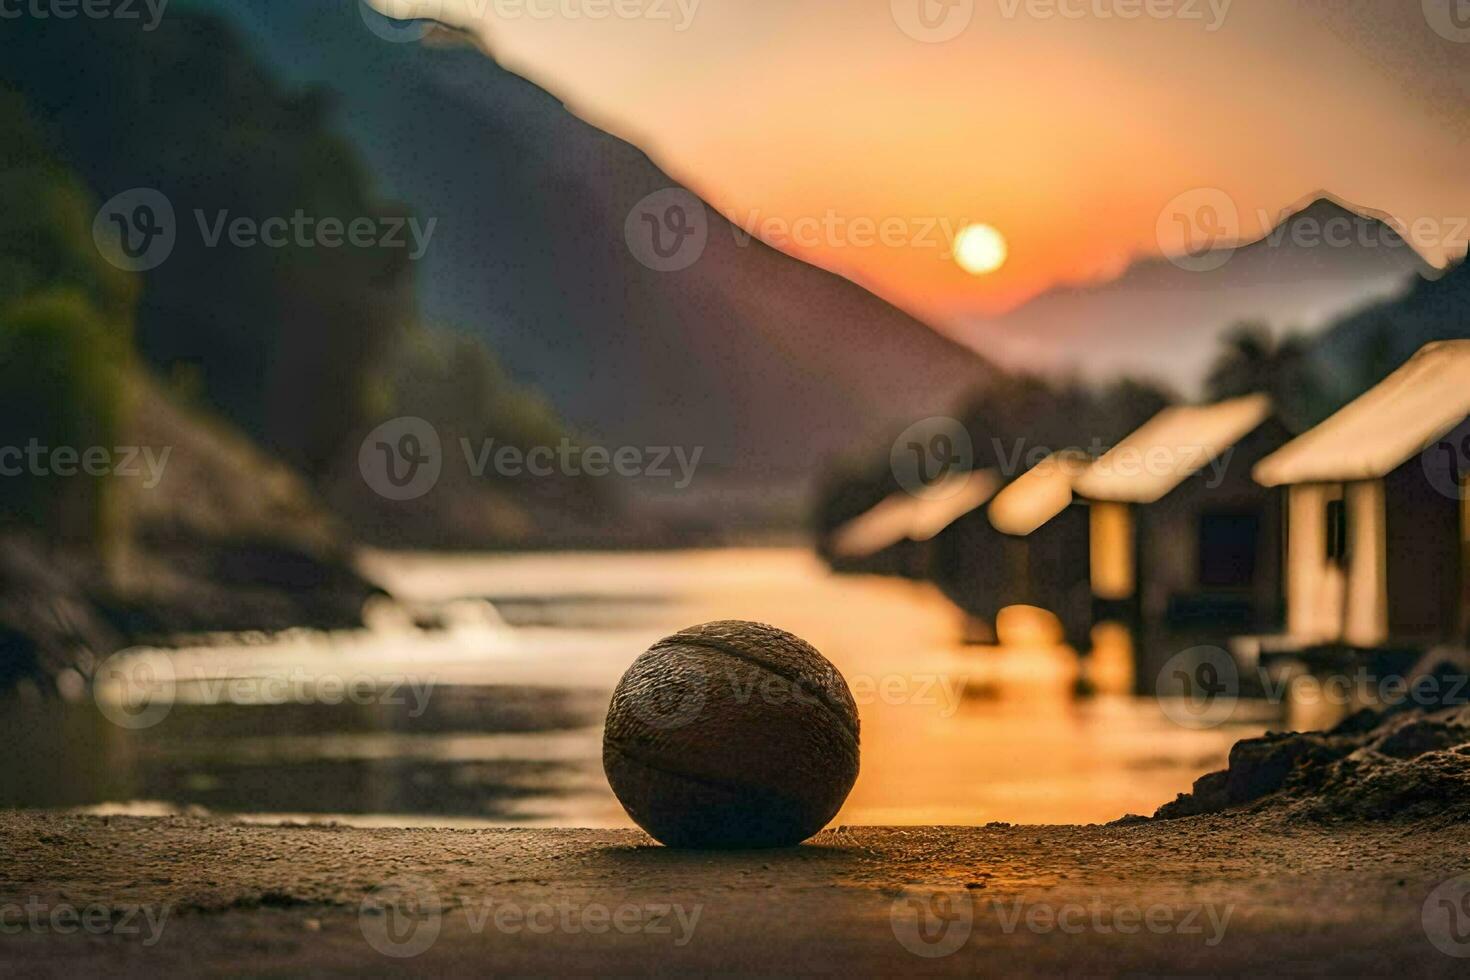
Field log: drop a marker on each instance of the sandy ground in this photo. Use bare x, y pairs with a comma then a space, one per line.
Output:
1213, 894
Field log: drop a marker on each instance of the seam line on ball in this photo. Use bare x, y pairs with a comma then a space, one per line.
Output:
823, 697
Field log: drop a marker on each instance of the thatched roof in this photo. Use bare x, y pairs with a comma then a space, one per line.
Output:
1039, 494
1170, 448
1383, 428
905, 516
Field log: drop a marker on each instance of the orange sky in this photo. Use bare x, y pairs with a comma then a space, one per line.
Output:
1069, 133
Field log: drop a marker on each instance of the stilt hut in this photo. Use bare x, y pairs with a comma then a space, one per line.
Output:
1038, 554
1185, 545
1377, 544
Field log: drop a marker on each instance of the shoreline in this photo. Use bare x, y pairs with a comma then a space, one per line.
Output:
1217, 893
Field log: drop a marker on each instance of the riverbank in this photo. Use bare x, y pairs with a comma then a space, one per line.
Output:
1223, 893
209, 533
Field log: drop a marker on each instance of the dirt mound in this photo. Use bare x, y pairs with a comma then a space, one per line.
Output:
1411, 760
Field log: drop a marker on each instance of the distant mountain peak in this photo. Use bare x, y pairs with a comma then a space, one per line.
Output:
1323, 213
1323, 204
1309, 264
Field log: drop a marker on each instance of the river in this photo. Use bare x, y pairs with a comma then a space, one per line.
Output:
478, 701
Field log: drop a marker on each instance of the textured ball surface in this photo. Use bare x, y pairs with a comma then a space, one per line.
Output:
731, 734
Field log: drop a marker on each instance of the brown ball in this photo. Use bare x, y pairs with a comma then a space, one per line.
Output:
731, 734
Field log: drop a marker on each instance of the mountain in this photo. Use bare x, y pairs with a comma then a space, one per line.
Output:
767, 363
1162, 319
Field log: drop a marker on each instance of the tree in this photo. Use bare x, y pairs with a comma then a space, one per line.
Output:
1255, 359
65, 343
284, 339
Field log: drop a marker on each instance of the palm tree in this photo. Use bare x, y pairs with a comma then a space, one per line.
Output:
1254, 359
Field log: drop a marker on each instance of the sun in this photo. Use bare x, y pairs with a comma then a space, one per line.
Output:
980, 249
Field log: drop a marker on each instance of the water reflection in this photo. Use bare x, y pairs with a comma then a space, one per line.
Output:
495, 715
